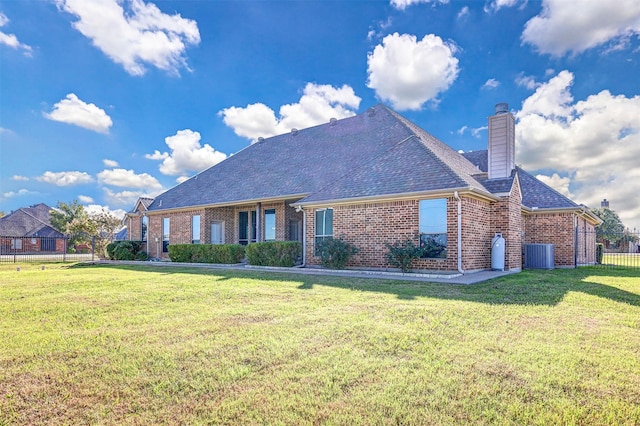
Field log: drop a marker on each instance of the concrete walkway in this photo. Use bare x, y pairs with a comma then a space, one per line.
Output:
436, 277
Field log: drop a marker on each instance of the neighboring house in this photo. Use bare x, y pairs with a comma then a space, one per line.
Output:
29, 230
372, 179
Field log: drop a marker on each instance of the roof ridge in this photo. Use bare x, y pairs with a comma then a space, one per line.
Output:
38, 219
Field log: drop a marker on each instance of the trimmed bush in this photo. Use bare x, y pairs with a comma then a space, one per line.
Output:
125, 250
206, 253
273, 253
401, 254
599, 253
335, 252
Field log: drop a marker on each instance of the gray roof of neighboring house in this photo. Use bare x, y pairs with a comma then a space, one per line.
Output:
377, 152
33, 221
534, 192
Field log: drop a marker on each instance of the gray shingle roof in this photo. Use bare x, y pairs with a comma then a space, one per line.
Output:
33, 221
377, 152
534, 192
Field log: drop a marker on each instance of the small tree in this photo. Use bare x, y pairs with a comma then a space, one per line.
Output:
106, 224
72, 220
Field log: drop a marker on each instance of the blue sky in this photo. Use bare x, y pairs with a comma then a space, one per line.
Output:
102, 101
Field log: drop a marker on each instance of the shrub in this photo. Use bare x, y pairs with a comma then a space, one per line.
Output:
126, 250
206, 253
401, 254
274, 253
599, 253
335, 252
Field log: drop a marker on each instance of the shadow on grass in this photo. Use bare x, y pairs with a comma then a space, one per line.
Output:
535, 287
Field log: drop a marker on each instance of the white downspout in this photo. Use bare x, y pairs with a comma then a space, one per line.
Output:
457, 197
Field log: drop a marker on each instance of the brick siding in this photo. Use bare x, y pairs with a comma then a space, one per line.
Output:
556, 229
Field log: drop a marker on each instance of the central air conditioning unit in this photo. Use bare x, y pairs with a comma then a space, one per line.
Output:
539, 256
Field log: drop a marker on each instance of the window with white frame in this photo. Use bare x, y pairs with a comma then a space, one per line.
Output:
324, 225
217, 232
144, 228
166, 229
433, 228
270, 225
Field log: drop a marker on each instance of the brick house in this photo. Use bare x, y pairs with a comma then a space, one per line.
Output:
29, 230
372, 179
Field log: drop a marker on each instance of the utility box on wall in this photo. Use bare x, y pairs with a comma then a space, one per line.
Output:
539, 256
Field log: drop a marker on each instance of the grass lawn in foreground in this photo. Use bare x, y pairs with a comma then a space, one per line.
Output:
143, 345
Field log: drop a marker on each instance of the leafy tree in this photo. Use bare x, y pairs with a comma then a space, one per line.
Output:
611, 232
1, 214
106, 224
72, 220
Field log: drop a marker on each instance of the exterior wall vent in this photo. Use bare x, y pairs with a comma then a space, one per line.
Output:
539, 256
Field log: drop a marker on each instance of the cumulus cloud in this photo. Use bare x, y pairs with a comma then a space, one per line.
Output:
18, 193
128, 179
11, 40
560, 29
19, 178
186, 154
72, 110
408, 72
464, 12
594, 144
527, 81
403, 4
495, 5
318, 104
65, 178
134, 33
110, 163
475, 131
85, 199
560, 184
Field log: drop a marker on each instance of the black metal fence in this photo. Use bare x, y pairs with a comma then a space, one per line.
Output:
613, 250
44, 249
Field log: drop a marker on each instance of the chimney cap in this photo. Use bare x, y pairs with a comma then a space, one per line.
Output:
502, 108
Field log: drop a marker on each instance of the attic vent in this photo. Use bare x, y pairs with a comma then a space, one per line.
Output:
260, 139
502, 108
371, 112
294, 131
333, 121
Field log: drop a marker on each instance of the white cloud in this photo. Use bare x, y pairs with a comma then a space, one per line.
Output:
10, 39
403, 4
463, 12
19, 178
72, 110
186, 154
128, 179
496, 5
527, 81
110, 163
595, 143
65, 178
85, 199
17, 193
182, 179
95, 209
408, 72
317, 105
475, 131
492, 83
125, 198
560, 28
560, 184
134, 33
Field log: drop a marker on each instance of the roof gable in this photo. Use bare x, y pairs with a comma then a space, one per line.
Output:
32, 221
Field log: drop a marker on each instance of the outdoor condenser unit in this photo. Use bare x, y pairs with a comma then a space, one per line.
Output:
539, 256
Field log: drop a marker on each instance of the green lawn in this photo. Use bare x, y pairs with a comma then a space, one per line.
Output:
138, 345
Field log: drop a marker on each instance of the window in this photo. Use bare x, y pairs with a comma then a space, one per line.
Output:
433, 228
324, 225
195, 229
270, 225
217, 232
16, 244
144, 227
246, 228
166, 225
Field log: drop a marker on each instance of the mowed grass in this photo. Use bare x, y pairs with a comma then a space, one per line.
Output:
143, 345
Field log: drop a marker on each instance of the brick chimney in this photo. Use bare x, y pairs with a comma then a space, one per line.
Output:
502, 142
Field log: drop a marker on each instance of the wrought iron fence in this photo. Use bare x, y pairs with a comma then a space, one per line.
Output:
612, 250
44, 249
